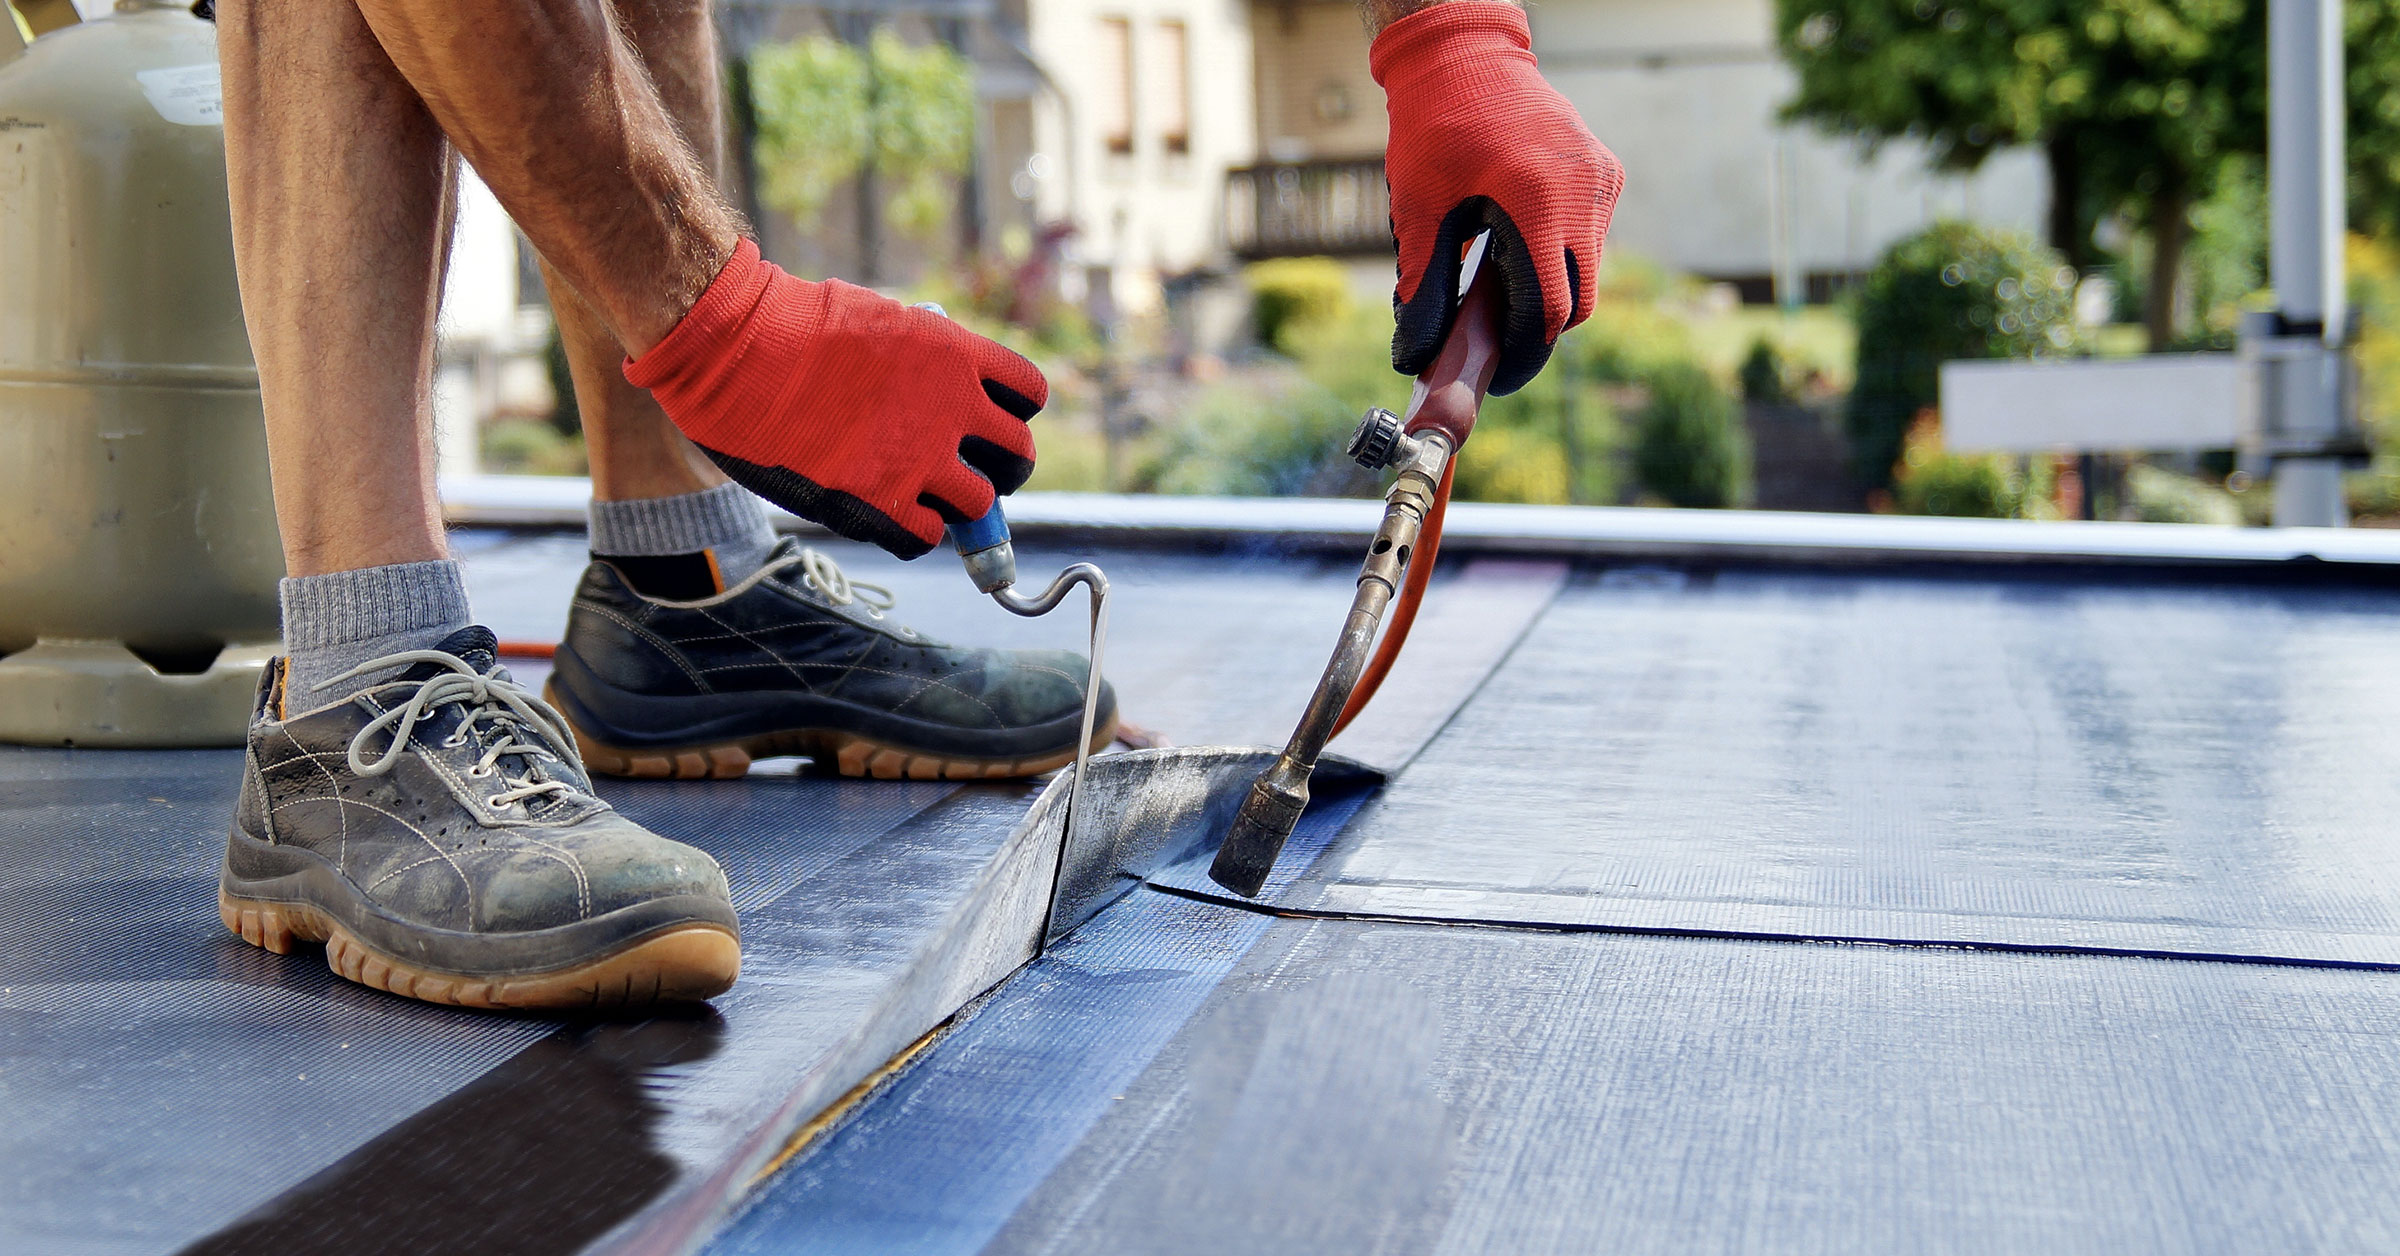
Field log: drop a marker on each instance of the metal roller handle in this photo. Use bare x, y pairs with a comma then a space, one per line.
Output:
1091, 578
1048, 599
991, 560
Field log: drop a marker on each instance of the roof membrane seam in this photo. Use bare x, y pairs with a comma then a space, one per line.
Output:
1285, 912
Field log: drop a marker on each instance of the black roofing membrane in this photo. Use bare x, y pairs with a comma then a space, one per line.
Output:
169, 1084
2062, 760
162, 1077
1187, 1077
2109, 764
1192, 1076
1380, 1088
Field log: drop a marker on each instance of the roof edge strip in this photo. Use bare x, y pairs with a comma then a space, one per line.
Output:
1596, 532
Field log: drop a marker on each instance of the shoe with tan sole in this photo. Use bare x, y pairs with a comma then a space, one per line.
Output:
799, 660
437, 835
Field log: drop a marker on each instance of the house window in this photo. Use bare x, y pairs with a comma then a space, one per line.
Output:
1175, 87
1115, 103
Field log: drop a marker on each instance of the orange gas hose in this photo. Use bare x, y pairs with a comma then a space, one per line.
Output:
1449, 396
1404, 611
527, 650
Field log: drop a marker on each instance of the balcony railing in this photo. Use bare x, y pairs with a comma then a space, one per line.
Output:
1303, 208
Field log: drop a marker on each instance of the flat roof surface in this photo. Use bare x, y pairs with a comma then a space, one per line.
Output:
1750, 910
1713, 904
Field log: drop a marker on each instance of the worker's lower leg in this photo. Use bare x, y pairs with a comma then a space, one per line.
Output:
341, 185
655, 496
554, 109
657, 500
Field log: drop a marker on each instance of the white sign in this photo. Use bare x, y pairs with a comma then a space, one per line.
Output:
2165, 401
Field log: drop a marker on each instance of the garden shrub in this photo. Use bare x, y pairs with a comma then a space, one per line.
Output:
1625, 343
1953, 291
1508, 464
530, 447
1762, 374
1243, 441
2162, 496
1934, 481
1292, 296
1973, 486
1692, 449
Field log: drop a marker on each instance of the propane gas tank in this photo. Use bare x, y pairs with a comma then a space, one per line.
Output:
138, 553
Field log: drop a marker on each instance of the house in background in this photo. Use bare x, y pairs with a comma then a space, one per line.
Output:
1167, 141
1687, 93
1150, 103
1112, 120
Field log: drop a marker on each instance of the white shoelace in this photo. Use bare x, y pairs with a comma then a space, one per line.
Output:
827, 578
502, 704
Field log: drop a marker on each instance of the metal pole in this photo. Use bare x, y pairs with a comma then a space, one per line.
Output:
1787, 276
2304, 383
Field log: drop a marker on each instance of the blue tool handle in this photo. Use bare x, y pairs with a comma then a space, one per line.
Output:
983, 534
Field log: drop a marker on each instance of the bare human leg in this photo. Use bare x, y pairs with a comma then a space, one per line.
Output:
839, 404
339, 243
558, 115
342, 186
636, 452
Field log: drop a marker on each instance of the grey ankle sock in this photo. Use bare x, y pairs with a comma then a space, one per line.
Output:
334, 622
726, 522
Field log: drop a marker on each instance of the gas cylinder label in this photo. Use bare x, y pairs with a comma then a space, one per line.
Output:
187, 95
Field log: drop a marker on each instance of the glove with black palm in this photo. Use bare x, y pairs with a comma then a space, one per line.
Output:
1479, 141
879, 420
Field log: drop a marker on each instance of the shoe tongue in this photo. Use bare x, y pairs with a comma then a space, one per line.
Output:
474, 645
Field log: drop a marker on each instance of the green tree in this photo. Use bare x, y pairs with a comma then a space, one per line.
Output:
2137, 104
814, 129
825, 110
2372, 30
923, 118
1966, 486
1291, 297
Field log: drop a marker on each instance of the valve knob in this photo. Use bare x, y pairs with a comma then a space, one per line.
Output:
1376, 443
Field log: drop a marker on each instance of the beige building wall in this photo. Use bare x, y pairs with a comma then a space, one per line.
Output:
1316, 100
1687, 93
1132, 141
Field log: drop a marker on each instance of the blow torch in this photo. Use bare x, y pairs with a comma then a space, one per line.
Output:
1400, 560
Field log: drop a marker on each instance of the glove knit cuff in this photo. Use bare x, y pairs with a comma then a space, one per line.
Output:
702, 335
1422, 35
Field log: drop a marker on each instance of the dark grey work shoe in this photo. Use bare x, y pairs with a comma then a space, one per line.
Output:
797, 660
436, 833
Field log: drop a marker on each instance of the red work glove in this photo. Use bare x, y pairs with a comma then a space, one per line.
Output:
1479, 140
878, 420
